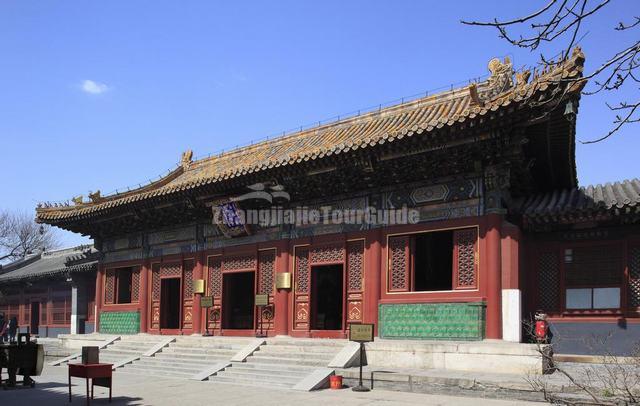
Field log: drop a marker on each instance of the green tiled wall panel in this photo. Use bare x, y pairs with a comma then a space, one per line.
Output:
120, 322
432, 321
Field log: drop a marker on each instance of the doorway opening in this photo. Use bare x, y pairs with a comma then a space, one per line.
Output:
170, 303
327, 308
237, 300
433, 256
35, 318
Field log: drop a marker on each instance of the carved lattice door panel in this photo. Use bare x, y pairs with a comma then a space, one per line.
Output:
355, 281
187, 294
399, 264
159, 271
266, 286
301, 315
548, 280
135, 284
214, 289
634, 277
110, 286
465, 258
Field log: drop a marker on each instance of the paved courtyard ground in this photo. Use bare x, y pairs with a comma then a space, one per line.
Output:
131, 389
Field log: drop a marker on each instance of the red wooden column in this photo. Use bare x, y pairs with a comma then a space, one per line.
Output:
144, 296
494, 276
281, 299
372, 276
99, 278
197, 310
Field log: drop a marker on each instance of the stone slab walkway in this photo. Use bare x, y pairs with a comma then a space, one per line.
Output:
129, 389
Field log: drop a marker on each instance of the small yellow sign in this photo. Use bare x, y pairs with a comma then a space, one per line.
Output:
198, 286
283, 280
206, 301
362, 333
262, 300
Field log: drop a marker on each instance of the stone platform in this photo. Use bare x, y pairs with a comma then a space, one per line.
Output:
476, 356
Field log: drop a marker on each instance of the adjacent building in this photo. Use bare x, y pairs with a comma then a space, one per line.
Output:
52, 292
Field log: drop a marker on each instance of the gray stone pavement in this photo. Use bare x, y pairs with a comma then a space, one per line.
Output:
131, 389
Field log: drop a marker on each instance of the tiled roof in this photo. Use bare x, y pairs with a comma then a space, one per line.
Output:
421, 116
70, 260
617, 197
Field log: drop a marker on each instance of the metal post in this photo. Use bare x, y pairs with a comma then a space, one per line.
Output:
361, 387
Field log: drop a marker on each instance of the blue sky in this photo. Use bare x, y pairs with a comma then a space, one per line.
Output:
104, 95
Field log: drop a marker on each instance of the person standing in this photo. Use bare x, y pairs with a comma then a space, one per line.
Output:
13, 328
3, 329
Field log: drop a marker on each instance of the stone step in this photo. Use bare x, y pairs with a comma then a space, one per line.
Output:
301, 356
273, 368
249, 382
197, 351
181, 368
193, 356
132, 346
319, 342
295, 349
287, 361
228, 341
244, 374
156, 372
113, 350
171, 361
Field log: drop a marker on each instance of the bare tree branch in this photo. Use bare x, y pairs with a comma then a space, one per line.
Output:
560, 18
21, 236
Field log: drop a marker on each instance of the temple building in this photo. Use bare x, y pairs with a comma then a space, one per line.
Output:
454, 216
52, 292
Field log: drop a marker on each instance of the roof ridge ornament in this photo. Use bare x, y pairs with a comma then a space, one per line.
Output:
95, 196
187, 159
501, 78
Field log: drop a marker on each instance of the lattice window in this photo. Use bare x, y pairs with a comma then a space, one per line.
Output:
355, 263
634, 277
239, 262
266, 270
110, 286
399, 263
548, 280
465, 243
187, 281
135, 284
61, 310
327, 254
155, 282
215, 276
168, 270
303, 273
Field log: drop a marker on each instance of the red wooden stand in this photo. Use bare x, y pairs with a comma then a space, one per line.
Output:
100, 375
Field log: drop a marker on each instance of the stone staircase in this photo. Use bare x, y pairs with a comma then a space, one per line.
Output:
127, 347
187, 356
281, 362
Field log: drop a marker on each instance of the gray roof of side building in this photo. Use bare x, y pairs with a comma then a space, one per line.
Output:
83, 258
615, 198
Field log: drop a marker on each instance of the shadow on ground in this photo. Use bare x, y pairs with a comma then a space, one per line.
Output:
54, 393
